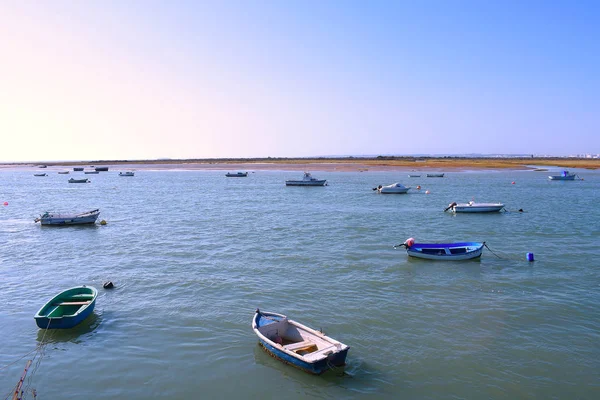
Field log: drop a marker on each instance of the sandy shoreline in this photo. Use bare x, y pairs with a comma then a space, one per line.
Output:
334, 164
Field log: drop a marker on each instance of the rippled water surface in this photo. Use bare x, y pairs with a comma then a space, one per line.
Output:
193, 254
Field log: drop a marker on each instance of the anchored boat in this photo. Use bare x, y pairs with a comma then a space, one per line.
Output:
394, 188
236, 174
307, 180
443, 251
472, 207
67, 309
297, 344
564, 176
88, 217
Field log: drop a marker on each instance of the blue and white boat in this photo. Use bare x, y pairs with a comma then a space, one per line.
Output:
307, 180
127, 173
297, 344
443, 251
88, 217
564, 176
394, 188
68, 308
472, 207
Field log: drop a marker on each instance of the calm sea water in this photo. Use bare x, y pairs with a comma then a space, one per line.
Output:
193, 254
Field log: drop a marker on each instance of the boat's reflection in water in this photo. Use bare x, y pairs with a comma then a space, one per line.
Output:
74, 335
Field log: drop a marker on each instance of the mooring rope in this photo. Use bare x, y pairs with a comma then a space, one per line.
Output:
487, 247
41, 349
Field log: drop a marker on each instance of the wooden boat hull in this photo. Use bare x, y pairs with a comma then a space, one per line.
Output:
446, 251
67, 309
89, 217
316, 355
78, 180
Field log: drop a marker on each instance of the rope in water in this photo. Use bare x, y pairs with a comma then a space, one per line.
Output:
487, 247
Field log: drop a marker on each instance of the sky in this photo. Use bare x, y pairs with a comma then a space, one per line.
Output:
117, 80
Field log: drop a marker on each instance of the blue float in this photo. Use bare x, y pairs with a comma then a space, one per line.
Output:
530, 257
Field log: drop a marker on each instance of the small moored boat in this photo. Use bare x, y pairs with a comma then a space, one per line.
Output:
564, 176
414, 176
236, 174
88, 217
40, 174
85, 180
91, 172
67, 309
63, 172
394, 188
472, 207
101, 168
307, 180
297, 344
443, 251
435, 175
77, 168
127, 173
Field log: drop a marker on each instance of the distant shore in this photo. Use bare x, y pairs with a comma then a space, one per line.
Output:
325, 164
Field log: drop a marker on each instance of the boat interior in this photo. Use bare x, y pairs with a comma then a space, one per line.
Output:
69, 305
293, 338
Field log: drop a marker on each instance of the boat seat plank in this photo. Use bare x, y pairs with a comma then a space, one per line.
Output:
299, 345
320, 354
72, 303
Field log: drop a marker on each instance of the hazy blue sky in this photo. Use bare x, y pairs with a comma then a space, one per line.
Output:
156, 79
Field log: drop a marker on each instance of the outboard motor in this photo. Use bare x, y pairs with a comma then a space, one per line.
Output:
450, 206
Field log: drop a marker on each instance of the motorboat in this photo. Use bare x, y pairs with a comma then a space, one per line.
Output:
236, 174
296, 344
394, 188
472, 207
435, 175
443, 251
85, 180
126, 173
307, 180
88, 217
564, 176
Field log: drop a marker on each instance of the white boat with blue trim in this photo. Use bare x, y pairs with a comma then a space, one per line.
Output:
394, 188
443, 251
472, 207
297, 344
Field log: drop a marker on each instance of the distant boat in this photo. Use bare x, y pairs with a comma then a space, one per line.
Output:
443, 251
78, 169
67, 309
435, 175
88, 217
101, 169
79, 180
63, 172
91, 172
395, 188
297, 344
472, 207
307, 180
43, 166
236, 174
40, 174
565, 176
414, 176
127, 173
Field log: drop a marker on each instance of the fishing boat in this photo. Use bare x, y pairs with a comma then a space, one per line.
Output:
78, 169
101, 168
85, 180
68, 308
394, 188
127, 173
435, 175
307, 180
63, 172
443, 251
296, 344
91, 172
40, 174
236, 174
472, 207
564, 176
88, 217
414, 176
